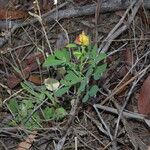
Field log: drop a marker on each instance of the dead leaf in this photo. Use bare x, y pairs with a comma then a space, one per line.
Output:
28, 142
144, 98
51, 84
36, 79
34, 57
128, 56
14, 79
47, 5
12, 14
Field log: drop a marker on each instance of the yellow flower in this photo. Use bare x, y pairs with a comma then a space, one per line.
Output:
82, 39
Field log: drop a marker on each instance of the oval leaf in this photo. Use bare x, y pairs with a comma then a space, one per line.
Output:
100, 57
62, 55
85, 98
61, 91
99, 70
94, 89
52, 61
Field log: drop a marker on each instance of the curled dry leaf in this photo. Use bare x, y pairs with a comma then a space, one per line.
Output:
12, 14
51, 84
144, 98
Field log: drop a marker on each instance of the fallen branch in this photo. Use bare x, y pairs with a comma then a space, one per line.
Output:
108, 6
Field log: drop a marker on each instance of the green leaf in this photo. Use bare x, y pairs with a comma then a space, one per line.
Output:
28, 87
40, 89
89, 71
93, 90
94, 52
13, 106
23, 110
99, 70
65, 82
60, 113
100, 57
77, 54
71, 45
85, 98
72, 77
49, 95
49, 112
28, 104
33, 123
40, 96
52, 61
63, 55
61, 91
83, 84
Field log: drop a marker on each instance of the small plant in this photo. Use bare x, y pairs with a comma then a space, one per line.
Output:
81, 65
26, 112
77, 65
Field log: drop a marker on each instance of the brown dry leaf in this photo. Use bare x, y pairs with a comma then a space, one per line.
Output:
12, 14
144, 98
14, 79
47, 5
36, 79
128, 56
26, 144
34, 57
